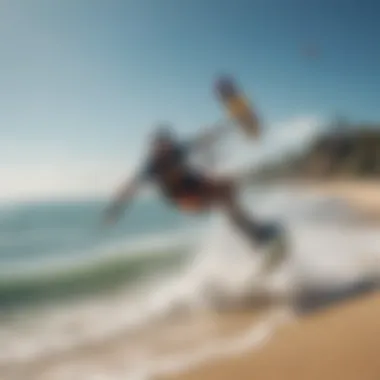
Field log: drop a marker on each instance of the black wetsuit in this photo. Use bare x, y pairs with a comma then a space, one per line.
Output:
175, 177
191, 190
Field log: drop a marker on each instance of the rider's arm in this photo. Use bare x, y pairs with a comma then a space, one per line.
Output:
125, 195
208, 138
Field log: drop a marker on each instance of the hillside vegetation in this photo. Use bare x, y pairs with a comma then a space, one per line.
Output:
345, 151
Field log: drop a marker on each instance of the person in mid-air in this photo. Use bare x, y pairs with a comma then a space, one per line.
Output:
189, 189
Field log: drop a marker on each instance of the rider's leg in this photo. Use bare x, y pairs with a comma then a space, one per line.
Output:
204, 192
225, 192
256, 231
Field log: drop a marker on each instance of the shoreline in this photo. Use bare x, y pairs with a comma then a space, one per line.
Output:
341, 324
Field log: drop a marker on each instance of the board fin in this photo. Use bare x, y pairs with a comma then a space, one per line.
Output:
238, 106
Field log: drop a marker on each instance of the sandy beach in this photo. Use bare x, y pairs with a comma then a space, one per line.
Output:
341, 343
363, 196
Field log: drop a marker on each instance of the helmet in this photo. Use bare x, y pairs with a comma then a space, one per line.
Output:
163, 134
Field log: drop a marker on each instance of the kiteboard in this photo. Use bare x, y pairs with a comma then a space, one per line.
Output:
238, 107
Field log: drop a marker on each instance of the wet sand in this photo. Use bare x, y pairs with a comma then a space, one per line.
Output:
341, 343
113, 358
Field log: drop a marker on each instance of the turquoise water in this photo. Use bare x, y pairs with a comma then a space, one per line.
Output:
50, 250
33, 231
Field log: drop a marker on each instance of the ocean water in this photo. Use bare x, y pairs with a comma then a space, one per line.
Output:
52, 250
36, 231
66, 282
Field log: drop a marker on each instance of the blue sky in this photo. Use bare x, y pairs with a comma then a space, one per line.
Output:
83, 81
